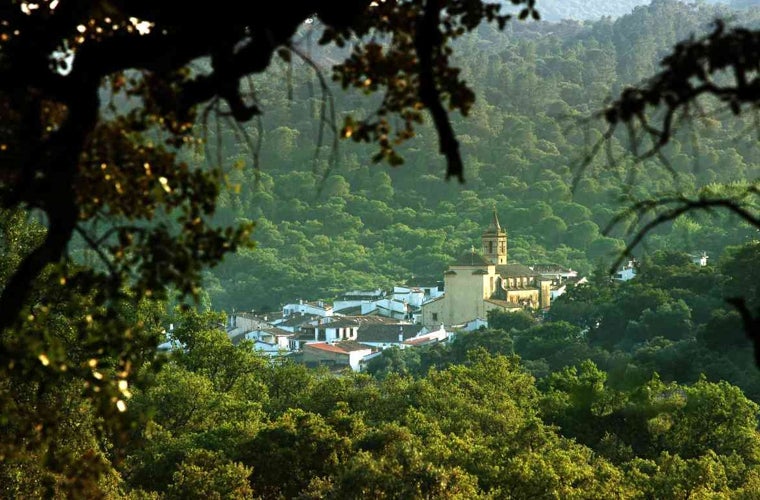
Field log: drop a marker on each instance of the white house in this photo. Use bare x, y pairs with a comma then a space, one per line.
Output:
414, 296
268, 334
332, 331
434, 337
348, 353
627, 272
401, 335
700, 259
475, 324
362, 300
382, 336
295, 322
393, 308
270, 349
269, 340
170, 345
308, 308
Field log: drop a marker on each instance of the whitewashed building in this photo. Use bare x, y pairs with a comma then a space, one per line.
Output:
346, 353
308, 309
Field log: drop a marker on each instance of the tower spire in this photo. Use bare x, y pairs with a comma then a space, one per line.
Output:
496, 220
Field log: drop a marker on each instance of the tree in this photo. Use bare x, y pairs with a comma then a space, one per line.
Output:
508, 321
100, 103
723, 66
205, 474
77, 157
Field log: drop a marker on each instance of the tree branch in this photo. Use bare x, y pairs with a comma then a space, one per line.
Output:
427, 43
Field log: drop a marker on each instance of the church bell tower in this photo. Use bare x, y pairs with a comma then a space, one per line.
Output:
495, 242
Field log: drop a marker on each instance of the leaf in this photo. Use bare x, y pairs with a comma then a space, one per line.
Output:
284, 54
394, 159
735, 108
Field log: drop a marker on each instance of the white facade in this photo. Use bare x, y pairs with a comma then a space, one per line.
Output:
700, 259
308, 309
359, 298
355, 358
440, 335
392, 308
416, 295
475, 324
386, 344
270, 349
559, 291
413, 296
333, 353
335, 332
368, 307
280, 340
625, 273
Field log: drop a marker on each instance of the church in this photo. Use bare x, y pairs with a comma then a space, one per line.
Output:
480, 282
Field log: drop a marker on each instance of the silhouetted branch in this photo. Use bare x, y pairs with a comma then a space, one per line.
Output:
687, 77
427, 43
678, 205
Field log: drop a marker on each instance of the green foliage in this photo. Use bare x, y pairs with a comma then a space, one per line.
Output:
521, 141
655, 431
508, 321
208, 475
474, 430
448, 421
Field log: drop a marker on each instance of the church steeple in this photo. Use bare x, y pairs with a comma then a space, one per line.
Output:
495, 242
495, 226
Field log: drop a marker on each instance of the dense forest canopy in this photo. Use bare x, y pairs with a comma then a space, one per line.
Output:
324, 228
124, 178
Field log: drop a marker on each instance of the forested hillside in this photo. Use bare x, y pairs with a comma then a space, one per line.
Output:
642, 389
326, 226
558, 10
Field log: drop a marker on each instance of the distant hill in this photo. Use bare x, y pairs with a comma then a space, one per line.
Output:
556, 10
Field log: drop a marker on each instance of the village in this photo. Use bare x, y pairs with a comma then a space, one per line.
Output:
360, 324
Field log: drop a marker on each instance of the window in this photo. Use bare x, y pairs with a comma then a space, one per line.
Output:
435, 316
490, 247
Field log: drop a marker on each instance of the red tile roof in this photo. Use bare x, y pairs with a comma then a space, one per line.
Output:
323, 346
344, 347
419, 340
